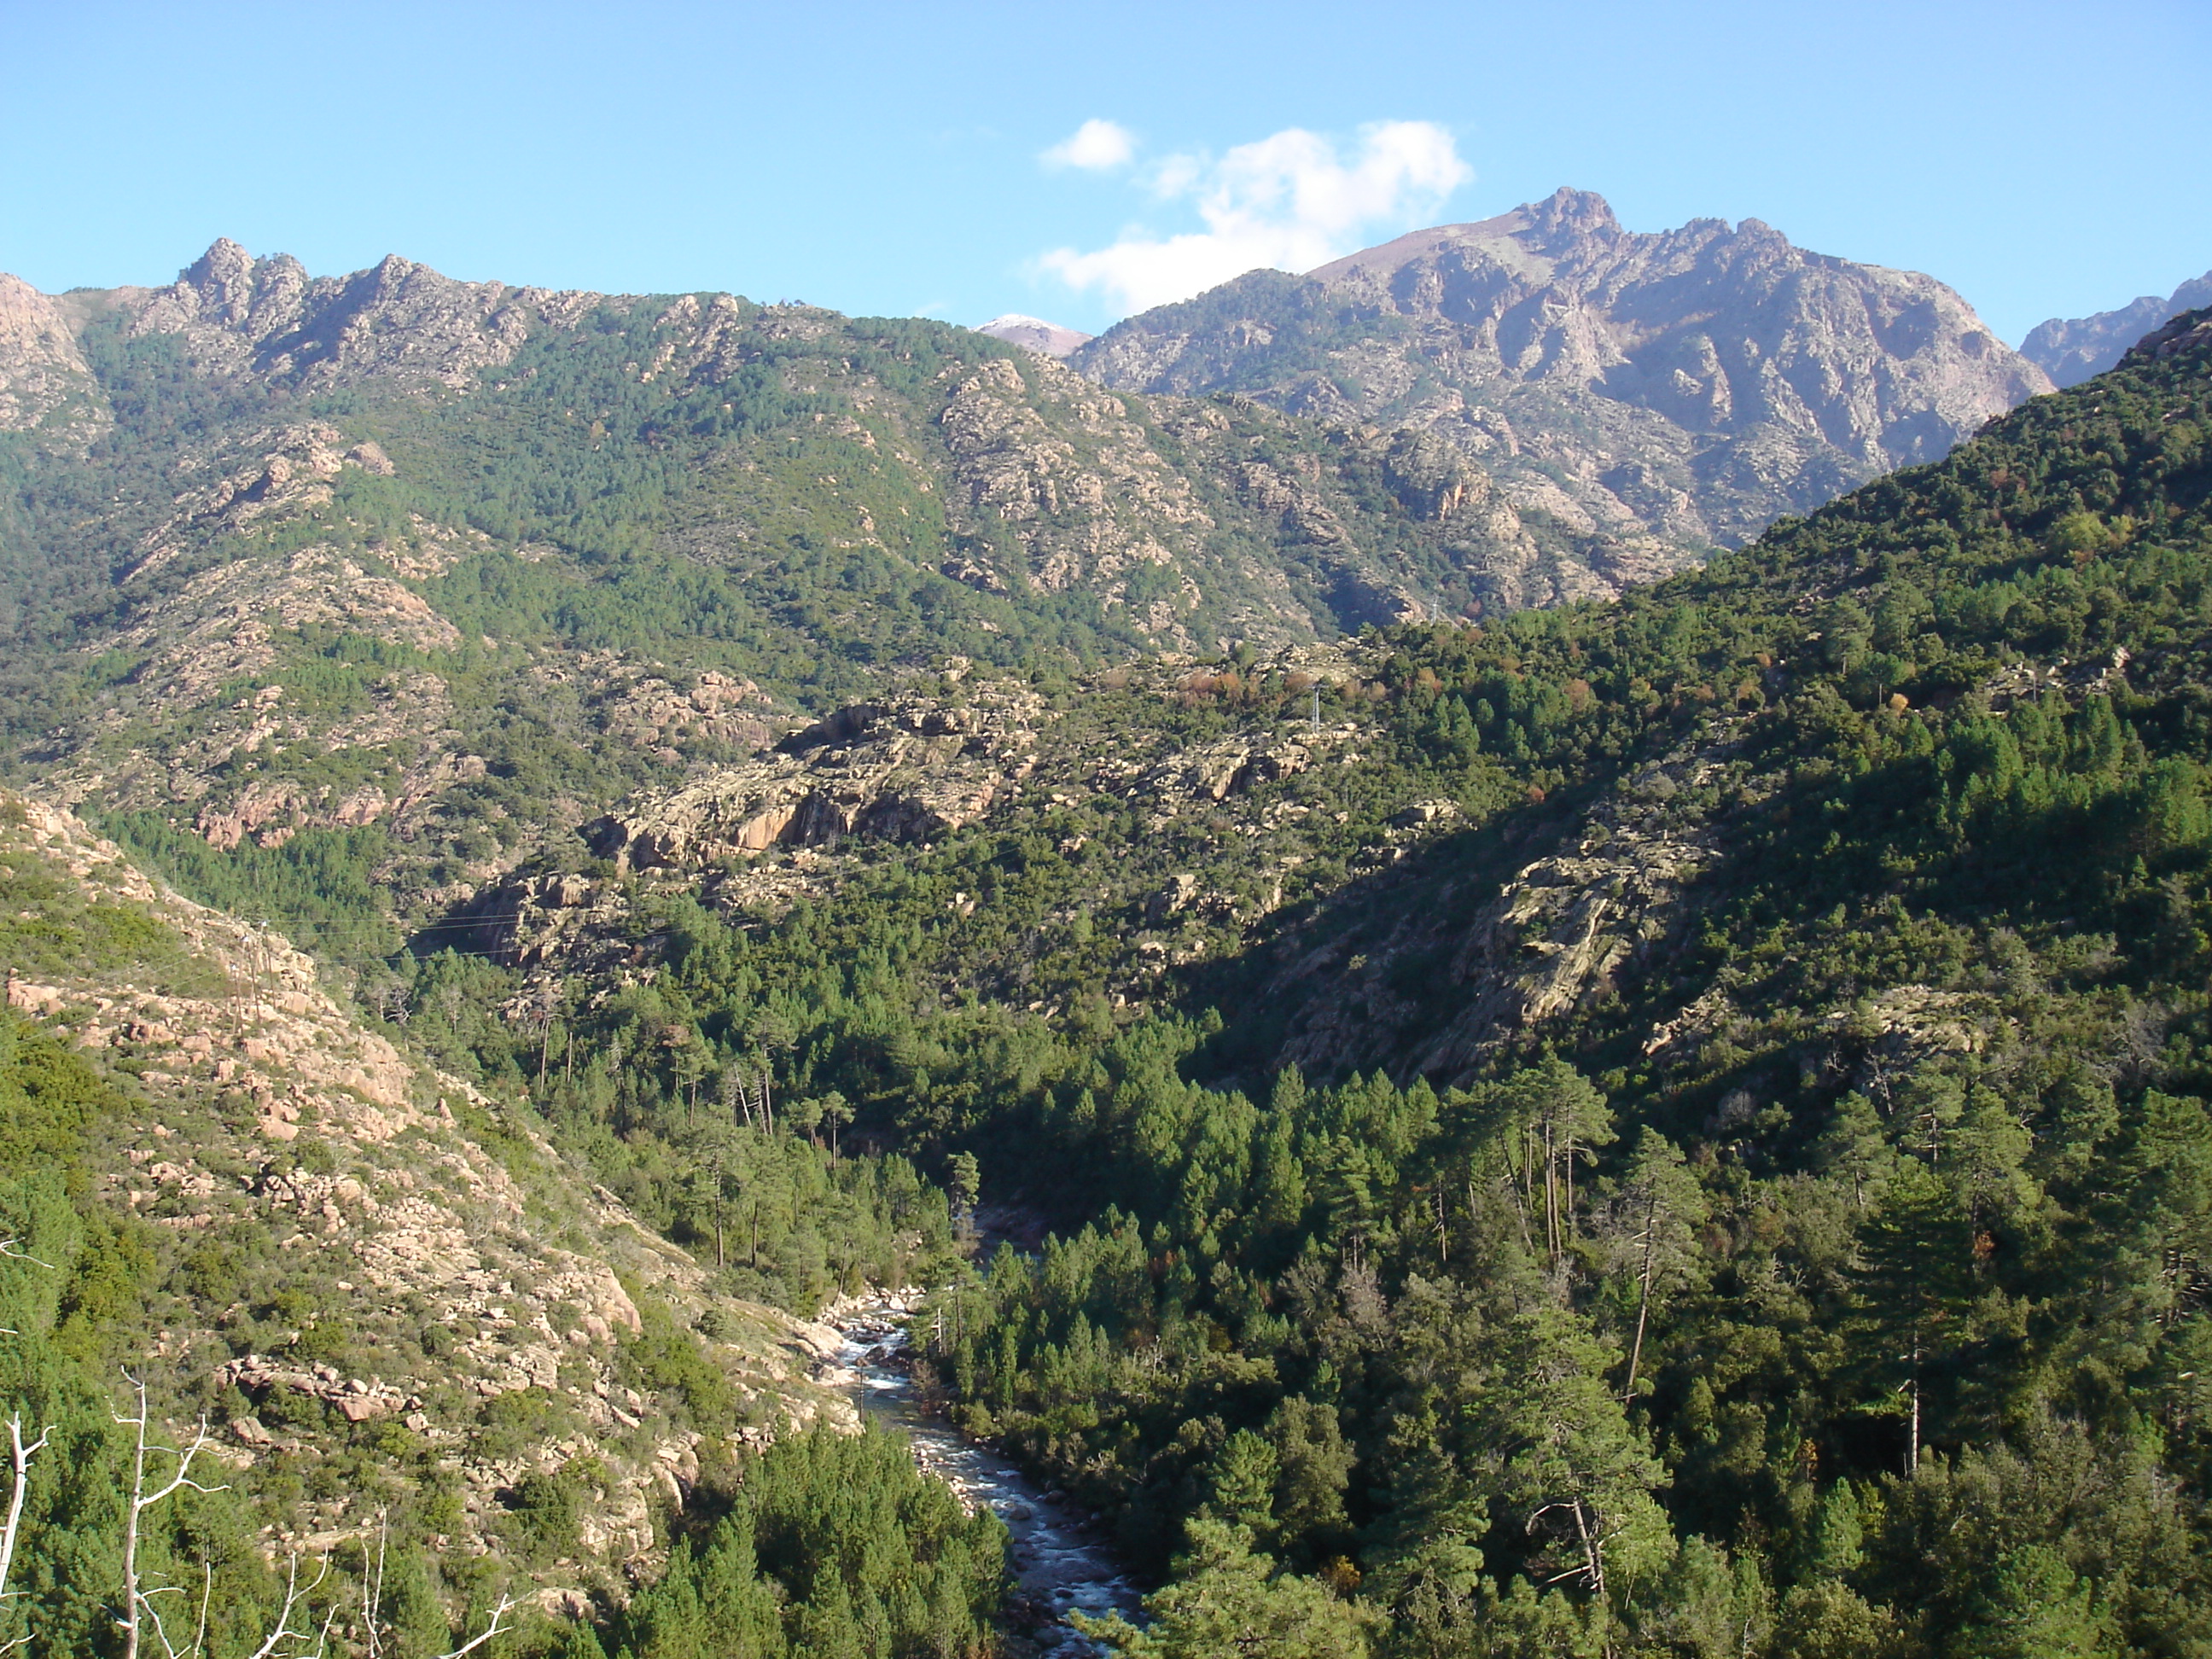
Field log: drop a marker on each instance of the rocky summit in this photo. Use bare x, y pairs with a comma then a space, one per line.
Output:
1655, 395
2072, 349
1052, 339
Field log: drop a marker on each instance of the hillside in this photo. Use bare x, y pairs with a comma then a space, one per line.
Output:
400, 1312
368, 585
1656, 396
1673, 1124
1672, 1116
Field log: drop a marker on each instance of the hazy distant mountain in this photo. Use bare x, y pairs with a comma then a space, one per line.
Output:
2070, 350
1655, 395
1035, 334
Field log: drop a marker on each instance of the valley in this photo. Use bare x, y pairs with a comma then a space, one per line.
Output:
1568, 873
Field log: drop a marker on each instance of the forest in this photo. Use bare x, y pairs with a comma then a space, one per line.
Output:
1827, 1275
1868, 1316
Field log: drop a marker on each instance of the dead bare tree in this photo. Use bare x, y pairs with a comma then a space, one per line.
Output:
7, 1249
296, 1599
199, 1634
372, 1586
545, 1008
20, 1456
136, 1600
506, 1606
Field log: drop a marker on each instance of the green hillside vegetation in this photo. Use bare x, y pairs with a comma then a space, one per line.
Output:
841, 1542
1822, 1329
1914, 1312
783, 511
1826, 1273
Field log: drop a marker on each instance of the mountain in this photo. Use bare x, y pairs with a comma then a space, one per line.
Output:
413, 573
1668, 1124
1034, 334
2070, 351
1684, 1113
1657, 396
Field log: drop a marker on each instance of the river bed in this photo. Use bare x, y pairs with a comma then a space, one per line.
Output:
1059, 1557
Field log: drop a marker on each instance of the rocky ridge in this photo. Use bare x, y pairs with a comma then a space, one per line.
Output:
907, 768
920, 765
2072, 349
1047, 485
1655, 394
397, 320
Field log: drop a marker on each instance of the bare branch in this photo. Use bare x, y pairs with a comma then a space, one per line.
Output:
19, 1457
134, 1597
294, 1596
160, 1631
372, 1586
506, 1606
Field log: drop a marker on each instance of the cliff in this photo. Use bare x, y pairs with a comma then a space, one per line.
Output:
1658, 395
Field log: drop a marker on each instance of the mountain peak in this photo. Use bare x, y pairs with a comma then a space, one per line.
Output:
1034, 334
223, 264
1566, 214
1582, 212
1715, 391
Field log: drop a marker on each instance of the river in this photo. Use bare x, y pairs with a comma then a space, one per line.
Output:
1060, 1559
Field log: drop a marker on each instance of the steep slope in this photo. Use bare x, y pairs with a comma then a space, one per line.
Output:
1745, 1168
393, 1301
1656, 395
44, 378
2072, 349
2056, 571
401, 574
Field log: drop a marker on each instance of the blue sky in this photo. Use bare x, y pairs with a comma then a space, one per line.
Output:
891, 159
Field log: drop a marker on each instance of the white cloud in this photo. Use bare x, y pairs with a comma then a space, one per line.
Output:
1289, 201
1096, 146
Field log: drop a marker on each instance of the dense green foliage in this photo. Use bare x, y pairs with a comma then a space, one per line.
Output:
1828, 1274
834, 1548
1905, 1245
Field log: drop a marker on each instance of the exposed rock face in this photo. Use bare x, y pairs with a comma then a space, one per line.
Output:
1567, 923
397, 320
918, 764
907, 768
283, 475
1658, 395
1501, 957
218, 628
2188, 332
42, 369
2071, 350
1034, 334
1229, 766
263, 1104
1082, 514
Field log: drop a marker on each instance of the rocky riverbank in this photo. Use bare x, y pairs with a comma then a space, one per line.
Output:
1060, 1562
